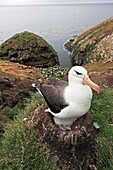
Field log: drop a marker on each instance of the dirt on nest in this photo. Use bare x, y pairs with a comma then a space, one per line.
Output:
73, 149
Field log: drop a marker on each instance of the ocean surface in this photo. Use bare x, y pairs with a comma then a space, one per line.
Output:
55, 23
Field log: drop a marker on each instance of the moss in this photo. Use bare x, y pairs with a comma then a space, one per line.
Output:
28, 48
24, 40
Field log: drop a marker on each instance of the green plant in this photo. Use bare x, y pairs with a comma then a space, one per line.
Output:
98, 57
102, 109
82, 56
9, 112
18, 148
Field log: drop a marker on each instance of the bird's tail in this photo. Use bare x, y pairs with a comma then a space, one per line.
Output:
36, 86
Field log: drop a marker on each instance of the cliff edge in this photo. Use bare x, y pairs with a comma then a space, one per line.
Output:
94, 45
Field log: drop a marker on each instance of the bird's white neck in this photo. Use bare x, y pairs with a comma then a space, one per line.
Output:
75, 81
78, 90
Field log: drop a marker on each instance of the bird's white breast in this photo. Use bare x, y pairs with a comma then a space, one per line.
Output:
79, 99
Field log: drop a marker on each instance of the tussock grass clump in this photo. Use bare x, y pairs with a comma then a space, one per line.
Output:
18, 148
102, 109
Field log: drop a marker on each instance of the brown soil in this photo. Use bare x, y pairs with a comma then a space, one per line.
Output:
101, 73
15, 82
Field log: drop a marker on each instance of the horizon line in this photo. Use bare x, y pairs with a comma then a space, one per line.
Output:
42, 4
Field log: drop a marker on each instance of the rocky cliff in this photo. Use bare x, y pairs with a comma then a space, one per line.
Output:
29, 49
94, 45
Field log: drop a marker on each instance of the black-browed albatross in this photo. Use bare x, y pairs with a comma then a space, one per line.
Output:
68, 100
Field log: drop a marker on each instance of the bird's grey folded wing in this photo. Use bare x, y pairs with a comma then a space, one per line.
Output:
53, 92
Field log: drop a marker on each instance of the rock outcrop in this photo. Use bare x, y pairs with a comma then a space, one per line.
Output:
94, 45
29, 49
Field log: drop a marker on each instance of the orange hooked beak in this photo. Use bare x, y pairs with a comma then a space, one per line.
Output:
88, 82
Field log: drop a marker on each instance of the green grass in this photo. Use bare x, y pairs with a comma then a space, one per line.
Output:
102, 109
18, 148
20, 151
9, 112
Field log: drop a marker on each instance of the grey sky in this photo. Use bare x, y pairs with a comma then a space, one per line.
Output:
28, 2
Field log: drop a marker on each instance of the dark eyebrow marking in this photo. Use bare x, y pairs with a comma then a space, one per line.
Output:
78, 72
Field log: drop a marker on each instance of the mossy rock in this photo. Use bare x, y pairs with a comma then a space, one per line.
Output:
29, 49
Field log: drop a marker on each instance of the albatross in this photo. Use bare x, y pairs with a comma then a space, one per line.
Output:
68, 100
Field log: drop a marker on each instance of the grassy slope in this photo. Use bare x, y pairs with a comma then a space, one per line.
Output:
102, 110
19, 150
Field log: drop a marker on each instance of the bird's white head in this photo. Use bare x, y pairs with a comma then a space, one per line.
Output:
78, 74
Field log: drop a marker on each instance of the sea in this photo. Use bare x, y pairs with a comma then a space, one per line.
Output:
55, 23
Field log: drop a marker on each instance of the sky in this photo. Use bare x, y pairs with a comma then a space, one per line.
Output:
30, 2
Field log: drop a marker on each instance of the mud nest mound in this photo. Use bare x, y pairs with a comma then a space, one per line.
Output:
74, 149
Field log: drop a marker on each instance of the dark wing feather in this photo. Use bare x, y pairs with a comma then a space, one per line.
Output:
53, 91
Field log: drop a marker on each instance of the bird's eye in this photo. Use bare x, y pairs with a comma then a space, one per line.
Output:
78, 73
